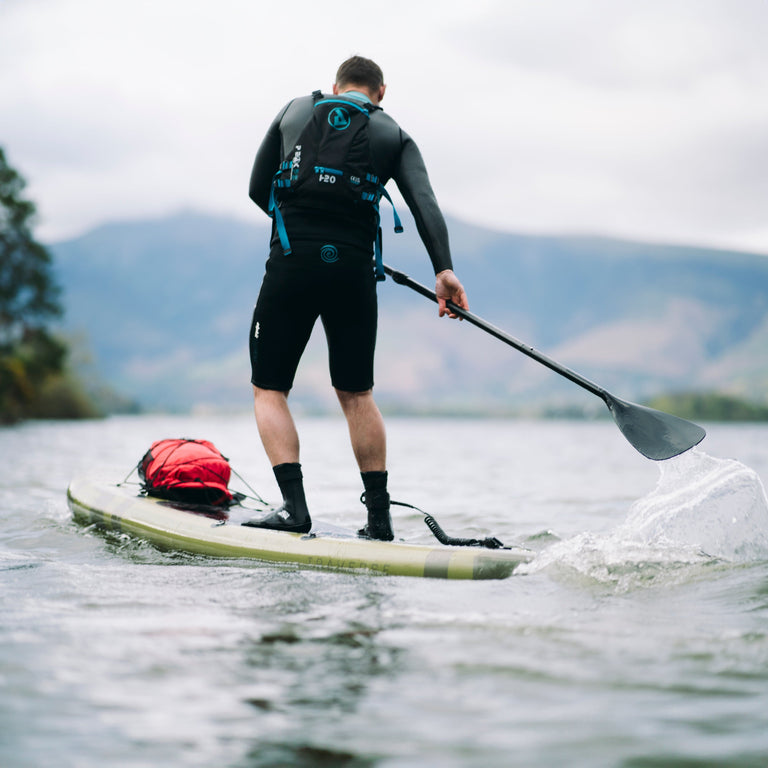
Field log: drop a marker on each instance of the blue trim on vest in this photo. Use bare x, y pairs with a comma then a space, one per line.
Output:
345, 102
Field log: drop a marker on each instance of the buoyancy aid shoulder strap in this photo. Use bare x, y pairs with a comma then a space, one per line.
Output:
274, 209
278, 183
377, 245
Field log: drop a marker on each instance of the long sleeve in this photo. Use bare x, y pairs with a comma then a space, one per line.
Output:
397, 157
413, 182
265, 165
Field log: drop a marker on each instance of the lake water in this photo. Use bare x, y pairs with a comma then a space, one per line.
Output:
637, 637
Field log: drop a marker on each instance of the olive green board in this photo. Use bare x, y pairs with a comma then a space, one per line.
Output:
123, 509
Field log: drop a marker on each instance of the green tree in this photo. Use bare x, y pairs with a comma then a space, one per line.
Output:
29, 299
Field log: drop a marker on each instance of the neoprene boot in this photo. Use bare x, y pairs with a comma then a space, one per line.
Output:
292, 515
376, 500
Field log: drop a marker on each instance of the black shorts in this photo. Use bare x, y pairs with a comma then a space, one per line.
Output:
335, 283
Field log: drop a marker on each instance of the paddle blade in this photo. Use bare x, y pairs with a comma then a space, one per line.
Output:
655, 434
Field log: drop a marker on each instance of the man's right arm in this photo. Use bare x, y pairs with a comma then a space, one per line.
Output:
413, 182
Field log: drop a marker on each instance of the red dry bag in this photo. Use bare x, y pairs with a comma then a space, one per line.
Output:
187, 471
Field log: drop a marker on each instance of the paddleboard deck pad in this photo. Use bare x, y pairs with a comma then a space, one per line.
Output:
168, 525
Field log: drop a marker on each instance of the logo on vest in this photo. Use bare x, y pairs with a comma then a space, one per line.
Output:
329, 254
339, 118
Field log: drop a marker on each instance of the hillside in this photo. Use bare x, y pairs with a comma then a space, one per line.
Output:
166, 306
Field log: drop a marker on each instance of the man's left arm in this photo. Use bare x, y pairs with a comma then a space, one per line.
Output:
265, 165
413, 182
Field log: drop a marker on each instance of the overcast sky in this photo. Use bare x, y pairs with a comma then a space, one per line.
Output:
644, 119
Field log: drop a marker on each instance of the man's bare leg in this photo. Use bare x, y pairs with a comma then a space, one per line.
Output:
369, 444
281, 444
366, 430
276, 426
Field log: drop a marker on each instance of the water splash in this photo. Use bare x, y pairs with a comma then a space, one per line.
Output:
703, 510
718, 505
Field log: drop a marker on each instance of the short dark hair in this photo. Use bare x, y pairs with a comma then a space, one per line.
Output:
360, 71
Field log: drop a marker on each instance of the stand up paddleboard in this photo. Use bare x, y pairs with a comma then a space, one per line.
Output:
168, 525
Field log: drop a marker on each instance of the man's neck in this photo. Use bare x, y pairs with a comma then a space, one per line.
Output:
353, 93
356, 91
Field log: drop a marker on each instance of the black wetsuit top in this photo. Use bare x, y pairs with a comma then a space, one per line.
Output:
395, 156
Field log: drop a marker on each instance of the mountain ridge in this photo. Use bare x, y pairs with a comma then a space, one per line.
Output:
166, 304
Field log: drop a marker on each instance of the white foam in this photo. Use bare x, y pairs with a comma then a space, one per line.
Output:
702, 509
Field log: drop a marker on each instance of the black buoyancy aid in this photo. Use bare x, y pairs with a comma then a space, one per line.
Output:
330, 168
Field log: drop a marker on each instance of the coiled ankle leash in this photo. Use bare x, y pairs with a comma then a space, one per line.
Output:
490, 542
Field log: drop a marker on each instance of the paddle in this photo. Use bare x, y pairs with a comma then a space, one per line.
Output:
655, 434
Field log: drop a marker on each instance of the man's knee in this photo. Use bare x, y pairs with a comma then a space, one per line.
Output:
269, 398
354, 399
267, 393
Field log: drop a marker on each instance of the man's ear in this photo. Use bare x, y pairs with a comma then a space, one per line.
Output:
335, 89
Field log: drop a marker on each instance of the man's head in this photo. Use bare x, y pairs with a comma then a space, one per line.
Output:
360, 74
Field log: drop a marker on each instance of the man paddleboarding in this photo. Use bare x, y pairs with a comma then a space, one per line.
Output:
320, 174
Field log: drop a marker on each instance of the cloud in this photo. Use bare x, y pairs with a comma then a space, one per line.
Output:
666, 44
608, 116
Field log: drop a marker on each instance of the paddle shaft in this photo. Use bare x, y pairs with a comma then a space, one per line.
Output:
655, 434
402, 279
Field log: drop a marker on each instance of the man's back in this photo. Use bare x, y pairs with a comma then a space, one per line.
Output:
394, 155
